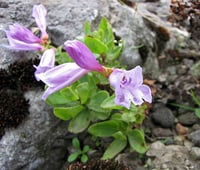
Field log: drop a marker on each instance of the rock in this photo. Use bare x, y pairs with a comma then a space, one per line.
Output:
195, 137
38, 143
163, 116
179, 140
131, 160
188, 119
171, 157
181, 130
161, 132
195, 152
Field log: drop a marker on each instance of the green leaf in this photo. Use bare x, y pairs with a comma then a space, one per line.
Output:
96, 100
99, 115
106, 29
84, 158
62, 57
119, 135
197, 112
72, 157
67, 113
80, 122
95, 45
105, 129
83, 92
56, 99
137, 141
76, 143
109, 103
69, 94
114, 52
114, 148
86, 148
183, 106
195, 99
117, 116
87, 28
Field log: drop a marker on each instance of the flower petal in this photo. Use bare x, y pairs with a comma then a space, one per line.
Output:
136, 76
61, 76
46, 62
129, 88
123, 98
21, 38
115, 77
21, 33
146, 93
20, 45
81, 54
39, 13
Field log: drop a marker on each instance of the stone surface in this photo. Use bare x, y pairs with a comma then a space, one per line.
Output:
195, 152
131, 160
171, 157
195, 137
188, 119
163, 116
38, 143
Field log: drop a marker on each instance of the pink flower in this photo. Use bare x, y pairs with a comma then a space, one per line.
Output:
21, 38
129, 88
46, 63
39, 13
83, 57
61, 76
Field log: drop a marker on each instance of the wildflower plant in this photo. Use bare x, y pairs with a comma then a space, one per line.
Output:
88, 86
79, 152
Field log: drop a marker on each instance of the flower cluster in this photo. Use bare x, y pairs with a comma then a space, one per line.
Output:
128, 85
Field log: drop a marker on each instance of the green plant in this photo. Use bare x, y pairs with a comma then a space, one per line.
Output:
89, 102
195, 109
79, 152
87, 85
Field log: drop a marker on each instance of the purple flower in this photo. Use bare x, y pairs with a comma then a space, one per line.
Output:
39, 13
81, 54
61, 76
21, 38
46, 62
129, 88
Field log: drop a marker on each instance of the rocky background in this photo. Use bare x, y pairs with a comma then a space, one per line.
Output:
32, 138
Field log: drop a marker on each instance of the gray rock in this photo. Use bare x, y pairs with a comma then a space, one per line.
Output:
163, 116
161, 132
171, 157
188, 119
131, 160
195, 152
195, 137
38, 143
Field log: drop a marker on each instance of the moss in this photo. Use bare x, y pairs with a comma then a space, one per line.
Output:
13, 83
23, 74
98, 165
6, 81
14, 109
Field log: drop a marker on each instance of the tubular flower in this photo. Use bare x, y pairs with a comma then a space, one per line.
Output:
46, 62
129, 88
21, 38
61, 76
83, 57
39, 13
